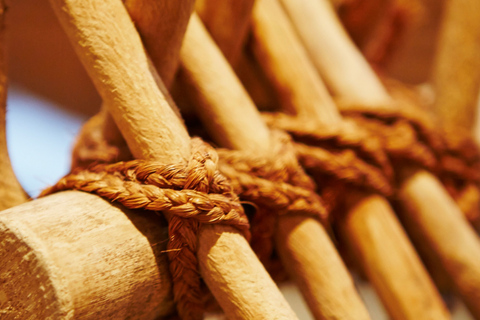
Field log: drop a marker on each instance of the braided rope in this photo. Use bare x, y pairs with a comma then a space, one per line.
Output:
189, 195
337, 158
410, 137
277, 185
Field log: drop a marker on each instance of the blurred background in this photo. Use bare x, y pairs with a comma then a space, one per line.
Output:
50, 96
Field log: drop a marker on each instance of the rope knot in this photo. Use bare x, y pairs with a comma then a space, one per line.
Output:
189, 195
277, 185
410, 137
338, 157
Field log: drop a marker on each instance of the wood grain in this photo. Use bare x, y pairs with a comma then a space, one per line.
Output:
410, 273
110, 49
232, 117
453, 225
73, 255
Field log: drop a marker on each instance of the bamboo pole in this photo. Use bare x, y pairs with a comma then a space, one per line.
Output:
435, 222
230, 37
111, 51
382, 247
11, 192
72, 255
456, 68
234, 121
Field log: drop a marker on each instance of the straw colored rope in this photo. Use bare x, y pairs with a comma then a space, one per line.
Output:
188, 194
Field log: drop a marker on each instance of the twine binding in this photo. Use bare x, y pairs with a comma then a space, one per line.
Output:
189, 195
339, 158
276, 185
410, 137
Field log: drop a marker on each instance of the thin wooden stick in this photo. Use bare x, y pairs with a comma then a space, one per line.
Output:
11, 192
234, 121
435, 222
368, 219
111, 51
456, 69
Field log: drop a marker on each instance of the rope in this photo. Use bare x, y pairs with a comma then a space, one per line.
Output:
189, 195
337, 158
276, 185
410, 137
273, 183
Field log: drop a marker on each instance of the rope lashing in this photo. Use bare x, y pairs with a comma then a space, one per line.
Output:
410, 137
337, 158
189, 195
277, 185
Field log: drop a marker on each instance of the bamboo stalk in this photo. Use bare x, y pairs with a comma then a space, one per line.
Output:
231, 36
462, 268
234, 121
400, 288
456, 68
11, 192
72, 255
111, 51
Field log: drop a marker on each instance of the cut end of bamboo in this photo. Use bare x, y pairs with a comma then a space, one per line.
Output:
61, 258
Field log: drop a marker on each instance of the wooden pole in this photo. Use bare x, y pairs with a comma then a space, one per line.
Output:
72, 255
382, 247
413, 194
111, 51
228, 22
234, 121
11, 192
345, 75
456, 69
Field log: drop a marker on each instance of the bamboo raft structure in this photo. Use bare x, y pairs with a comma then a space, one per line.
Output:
178, 223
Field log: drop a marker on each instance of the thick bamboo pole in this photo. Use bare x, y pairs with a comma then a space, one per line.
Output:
11, 192
73, 255
462, 268
111, 51
234, 121
402, 287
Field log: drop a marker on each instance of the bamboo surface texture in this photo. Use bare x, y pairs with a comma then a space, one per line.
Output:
400, 288
110, 49
304, 245
430, 219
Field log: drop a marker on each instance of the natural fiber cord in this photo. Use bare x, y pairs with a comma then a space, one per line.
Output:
276, 185
188, 194
410, 137
339, 158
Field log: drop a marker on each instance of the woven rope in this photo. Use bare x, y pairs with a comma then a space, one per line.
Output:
274, 183
189, 195
410, 137
338, 158
277, 185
